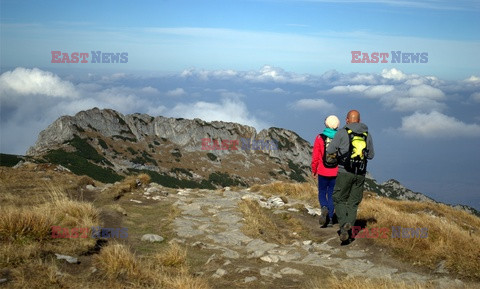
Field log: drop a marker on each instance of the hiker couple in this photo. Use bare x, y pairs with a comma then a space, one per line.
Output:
339, 159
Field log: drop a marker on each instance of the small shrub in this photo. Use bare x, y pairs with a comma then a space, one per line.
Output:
132, 151
212, 157
175, 256
116, 261
102, 143
7, 160
24, 224
224, 180
182, 170
81, 166
176, 153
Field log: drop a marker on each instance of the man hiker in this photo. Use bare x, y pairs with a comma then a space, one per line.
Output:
326, 172
352, 145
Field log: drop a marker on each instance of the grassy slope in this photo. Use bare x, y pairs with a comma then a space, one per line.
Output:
35, 197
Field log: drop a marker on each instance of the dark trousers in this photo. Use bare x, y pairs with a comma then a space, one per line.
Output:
325, 192
347, 195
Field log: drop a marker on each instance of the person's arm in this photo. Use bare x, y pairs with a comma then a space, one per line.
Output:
316, 154
371, 150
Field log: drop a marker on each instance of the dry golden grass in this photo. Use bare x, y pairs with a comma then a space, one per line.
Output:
24, 223
127, 185
258, 224
116, 261
26, 231
175, 256
12, 254
453, 235
300, 191
166, 269
28, 186
35, 198
362, 283
384, 283
185, 282
84, 181
38, 274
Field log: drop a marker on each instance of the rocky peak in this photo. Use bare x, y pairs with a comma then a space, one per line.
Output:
119, 138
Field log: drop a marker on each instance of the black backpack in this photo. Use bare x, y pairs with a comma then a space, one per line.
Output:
329, 161
355, 160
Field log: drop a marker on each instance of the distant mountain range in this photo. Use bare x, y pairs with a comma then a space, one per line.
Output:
107, 145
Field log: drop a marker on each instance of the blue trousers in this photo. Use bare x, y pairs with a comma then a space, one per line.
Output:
325, 192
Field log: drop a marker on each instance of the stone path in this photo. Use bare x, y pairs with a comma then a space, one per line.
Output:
210, 221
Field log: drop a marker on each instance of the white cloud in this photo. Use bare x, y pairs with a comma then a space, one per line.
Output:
316, 104
393, 74
278, 90
423, 90
364, 78
399, 91
176, 92
149, 89
378, 90
156, 111
348, 88
265, 74
437, 125
473, 79
114, 77
208, 74
24, 81
415, 81
404, 103
367, 90
275, 74
228, 110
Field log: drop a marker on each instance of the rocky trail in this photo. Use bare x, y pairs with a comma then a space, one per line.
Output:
209, 223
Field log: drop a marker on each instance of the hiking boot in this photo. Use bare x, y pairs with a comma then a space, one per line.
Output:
323, 216
344, 232
334, 219
329, 223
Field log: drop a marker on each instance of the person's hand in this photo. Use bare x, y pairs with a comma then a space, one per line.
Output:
314, 175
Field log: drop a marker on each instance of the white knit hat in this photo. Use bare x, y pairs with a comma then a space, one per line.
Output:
332, 122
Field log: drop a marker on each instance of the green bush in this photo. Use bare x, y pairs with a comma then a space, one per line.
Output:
182, 170
171, 182
176, 153
212, 157
84, 149
124, 138
296, 173
81, 166
7, 160
132, 151
102, 143
224, 180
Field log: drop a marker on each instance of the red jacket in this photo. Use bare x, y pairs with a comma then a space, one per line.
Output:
317, 160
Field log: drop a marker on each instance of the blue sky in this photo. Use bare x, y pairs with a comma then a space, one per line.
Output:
280, 63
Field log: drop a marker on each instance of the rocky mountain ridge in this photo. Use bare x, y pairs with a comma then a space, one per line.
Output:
107, 145
120, 144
